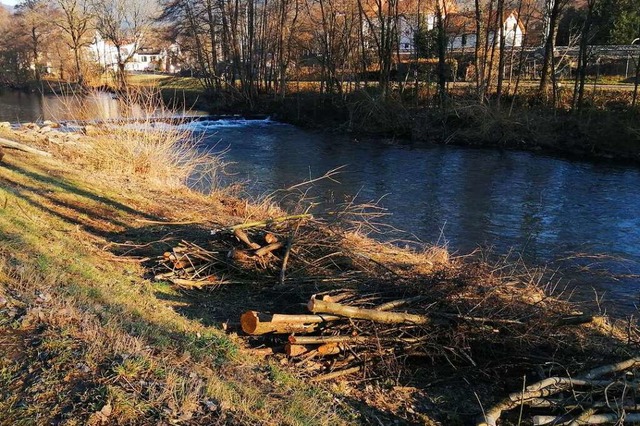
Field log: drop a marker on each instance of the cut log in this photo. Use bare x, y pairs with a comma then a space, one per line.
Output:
329, 349
22, 147
269, 238
295, 350
268, 249
242, 236
322, 306
256, 323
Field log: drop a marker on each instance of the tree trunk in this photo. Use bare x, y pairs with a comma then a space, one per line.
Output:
549, 47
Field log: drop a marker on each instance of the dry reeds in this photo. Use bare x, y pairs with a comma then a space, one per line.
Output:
137, 145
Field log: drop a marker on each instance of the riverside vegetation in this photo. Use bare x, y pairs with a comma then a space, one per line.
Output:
606, 127
94, 331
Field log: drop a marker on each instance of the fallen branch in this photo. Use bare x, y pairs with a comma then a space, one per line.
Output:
242, 236
22, 147
335, 374
268, 249
398, 303
285, 259
263, 223
596, 419
383, 317
354, 340
554, 385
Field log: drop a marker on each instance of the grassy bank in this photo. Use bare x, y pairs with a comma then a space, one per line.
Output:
90, 337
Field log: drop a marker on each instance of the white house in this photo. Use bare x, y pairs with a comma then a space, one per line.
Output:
460, 28
137, 58
461, 31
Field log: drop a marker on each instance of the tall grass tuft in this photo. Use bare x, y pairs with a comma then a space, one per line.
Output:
136, 141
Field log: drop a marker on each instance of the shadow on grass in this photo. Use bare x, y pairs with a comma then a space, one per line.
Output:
73, 189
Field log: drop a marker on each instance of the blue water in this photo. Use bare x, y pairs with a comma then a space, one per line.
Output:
580, 218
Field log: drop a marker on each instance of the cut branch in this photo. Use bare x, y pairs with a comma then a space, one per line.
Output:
263, 223
323, 306
22, 147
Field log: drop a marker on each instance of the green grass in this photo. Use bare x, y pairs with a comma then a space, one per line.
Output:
102, 315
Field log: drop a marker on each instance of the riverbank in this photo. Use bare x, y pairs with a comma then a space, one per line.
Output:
93, 336
598, 133
606, 129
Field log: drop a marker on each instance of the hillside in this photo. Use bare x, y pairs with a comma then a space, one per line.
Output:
93, 330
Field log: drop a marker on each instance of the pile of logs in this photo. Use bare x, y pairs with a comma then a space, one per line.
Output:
340, 337
189, 265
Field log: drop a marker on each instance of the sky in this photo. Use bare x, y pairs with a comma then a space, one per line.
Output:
9, 2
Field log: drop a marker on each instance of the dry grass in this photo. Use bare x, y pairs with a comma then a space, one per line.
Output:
124, 349
112, 350
137, 145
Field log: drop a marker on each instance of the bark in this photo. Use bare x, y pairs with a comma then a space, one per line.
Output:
479, 72
256, 323
321, 306
578, 94
636, 83
549, 46
501, 29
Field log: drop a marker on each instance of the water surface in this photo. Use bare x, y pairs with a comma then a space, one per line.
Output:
581, 217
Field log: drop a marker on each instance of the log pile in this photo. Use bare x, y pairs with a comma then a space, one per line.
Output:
346, 334
378, 317
253, 252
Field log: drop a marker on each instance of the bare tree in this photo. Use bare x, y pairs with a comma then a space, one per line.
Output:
124, 23
35, 23
583, 55
76, 21
554, 9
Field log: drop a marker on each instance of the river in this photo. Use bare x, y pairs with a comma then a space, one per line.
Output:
578, 218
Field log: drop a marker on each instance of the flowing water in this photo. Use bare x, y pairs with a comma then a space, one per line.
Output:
581, 218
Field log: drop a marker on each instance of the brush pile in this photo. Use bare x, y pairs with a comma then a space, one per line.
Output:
254, 255
345, 333
604, 395
376, 310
